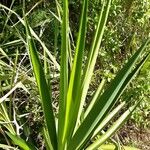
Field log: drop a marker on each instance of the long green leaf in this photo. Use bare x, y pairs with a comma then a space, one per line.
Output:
131, 75
20, 142
127, 81
75, 79
43, 88
95, 97
101, 108
108, 118
63, 75
48, 143
113, 128
91, 60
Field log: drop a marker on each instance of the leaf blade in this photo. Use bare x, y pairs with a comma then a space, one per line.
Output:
101, 108
113, 128
18, 141
42, 86
63, 74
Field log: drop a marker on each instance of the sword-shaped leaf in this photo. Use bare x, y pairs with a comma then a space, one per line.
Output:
105, 102
42, 86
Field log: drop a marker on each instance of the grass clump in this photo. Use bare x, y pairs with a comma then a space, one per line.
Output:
74, 127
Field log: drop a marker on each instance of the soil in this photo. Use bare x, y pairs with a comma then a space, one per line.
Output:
130, 135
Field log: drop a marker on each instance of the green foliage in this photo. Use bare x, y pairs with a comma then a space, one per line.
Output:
84, 53
127, 26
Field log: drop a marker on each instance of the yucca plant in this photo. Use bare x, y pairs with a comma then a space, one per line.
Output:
75, 126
